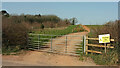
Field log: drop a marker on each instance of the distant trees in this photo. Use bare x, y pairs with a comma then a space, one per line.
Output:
52, 19
39, 18
46, 21
4, 13
49, 21
39, 15
73, 21
66, 20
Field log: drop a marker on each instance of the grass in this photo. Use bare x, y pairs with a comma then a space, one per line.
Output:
80, 50
93, 26
12, 50
110, 58
105, 59
69, 29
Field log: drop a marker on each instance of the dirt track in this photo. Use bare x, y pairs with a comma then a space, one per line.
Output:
45, 59
34, 58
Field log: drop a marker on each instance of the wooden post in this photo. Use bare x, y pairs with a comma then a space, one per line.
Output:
105, 47
86, 45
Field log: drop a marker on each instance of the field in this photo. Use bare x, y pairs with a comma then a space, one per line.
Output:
52, 31
91, 26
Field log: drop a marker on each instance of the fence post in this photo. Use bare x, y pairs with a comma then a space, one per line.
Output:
84, 39
38, 42
31, 40
66, 45
28, 41
105, 47
51, 43
86, 48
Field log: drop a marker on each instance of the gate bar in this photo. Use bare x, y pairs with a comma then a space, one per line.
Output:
51, 42
56, 35
66, 45
38, 42
84, 43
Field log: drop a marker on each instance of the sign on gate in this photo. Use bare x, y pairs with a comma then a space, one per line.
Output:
104, 38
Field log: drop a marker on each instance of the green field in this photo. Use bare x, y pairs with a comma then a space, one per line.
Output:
69, 29
93, 26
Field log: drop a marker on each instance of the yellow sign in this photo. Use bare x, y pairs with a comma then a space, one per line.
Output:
104, 38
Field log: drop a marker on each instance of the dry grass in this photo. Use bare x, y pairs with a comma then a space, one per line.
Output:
112, 54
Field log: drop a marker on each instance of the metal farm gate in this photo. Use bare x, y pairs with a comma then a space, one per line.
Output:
61, 44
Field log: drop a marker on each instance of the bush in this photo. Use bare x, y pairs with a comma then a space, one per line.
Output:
108, 28
42, 26
112, 29
14, 35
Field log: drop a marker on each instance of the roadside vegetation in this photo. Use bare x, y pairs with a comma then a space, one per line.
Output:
111, 58
80, 50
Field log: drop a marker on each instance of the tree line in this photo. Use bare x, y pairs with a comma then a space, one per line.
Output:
15, 28
40, 19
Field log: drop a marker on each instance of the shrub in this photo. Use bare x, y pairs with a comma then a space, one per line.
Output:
14, 35
112, 29
105, 59
42, 26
